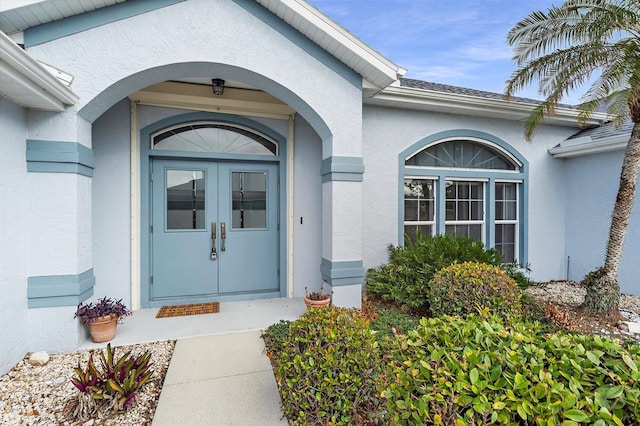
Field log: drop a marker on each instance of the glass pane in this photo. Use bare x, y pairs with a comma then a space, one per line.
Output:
510, 210
412, 230
185, 199
463, 210
506, 241
477, 211
214, 137
249, 200
472, 230
461, 154
410, 210
419, 200
499, 209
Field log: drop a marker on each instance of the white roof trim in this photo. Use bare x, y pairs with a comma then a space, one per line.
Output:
336, 40
28, 83
585, 145
433, 100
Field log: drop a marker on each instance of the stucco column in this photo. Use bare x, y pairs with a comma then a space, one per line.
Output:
60, 274
341, 265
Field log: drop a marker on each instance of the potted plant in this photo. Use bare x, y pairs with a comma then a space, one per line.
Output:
102, 317
317, 299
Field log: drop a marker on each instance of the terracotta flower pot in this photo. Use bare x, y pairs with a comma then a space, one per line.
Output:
103, 329
317, 303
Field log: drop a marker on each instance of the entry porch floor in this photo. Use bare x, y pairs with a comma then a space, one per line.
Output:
143, 326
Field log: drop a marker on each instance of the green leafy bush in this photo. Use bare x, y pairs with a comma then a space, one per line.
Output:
490, 370
391, 321
276, 336
405, 278
465, 288
329, 370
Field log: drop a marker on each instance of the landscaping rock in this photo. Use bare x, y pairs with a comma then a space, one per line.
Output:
39, 358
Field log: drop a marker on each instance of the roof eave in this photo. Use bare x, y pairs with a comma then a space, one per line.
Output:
28, 83
433, 100
352, 51
585, 146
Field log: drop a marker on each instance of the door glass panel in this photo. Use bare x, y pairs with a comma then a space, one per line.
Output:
249, 195
185, 199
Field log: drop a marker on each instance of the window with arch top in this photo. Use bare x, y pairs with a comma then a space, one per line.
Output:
214, 137
466, 185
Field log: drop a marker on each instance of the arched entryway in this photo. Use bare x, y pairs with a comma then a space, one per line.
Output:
214, 209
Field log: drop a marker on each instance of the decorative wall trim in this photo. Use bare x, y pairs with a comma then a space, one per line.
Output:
60, 290
85, 21
337, 168
59, 157
339, 273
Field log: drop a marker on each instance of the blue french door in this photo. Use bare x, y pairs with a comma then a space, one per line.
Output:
214, 229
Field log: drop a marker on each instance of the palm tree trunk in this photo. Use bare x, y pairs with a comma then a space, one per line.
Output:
603, 290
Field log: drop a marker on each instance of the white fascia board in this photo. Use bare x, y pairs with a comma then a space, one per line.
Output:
408, 97
585, 146
35, 78
323, 24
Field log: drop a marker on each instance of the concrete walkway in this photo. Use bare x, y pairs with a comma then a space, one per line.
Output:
224, 379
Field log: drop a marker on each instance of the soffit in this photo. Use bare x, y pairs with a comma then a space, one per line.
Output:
32, 13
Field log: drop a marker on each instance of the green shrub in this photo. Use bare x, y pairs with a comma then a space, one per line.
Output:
487, 370
328, 373
276, 336
461, 289
405, 278
519, 275
391, 321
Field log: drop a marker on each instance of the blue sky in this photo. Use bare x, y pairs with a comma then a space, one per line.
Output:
458, 42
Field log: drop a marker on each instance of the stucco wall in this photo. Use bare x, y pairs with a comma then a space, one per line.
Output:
387, 132
13, 227
111, 204
591, 183
212, 38
307, 201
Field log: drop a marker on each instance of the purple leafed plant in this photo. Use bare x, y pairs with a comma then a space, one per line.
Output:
104, 307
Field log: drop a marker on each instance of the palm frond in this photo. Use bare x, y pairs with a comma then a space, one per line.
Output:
562, 48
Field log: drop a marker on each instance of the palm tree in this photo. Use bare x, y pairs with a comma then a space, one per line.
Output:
595, 43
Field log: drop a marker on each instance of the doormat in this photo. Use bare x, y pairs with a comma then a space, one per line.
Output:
183, 310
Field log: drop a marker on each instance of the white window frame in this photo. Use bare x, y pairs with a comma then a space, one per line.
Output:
434, 221
483, 222
515, 222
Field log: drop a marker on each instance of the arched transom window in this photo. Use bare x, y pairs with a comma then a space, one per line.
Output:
471, 187
462, 154
214, 137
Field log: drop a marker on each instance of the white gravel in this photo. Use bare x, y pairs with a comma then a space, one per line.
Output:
573, 293
36, 395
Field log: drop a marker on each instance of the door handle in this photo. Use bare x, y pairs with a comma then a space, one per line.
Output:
223, 235
214, 253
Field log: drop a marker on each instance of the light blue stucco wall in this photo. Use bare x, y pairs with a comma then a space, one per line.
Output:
13, 244
111, 200
591, 184
387, 132
307, 202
